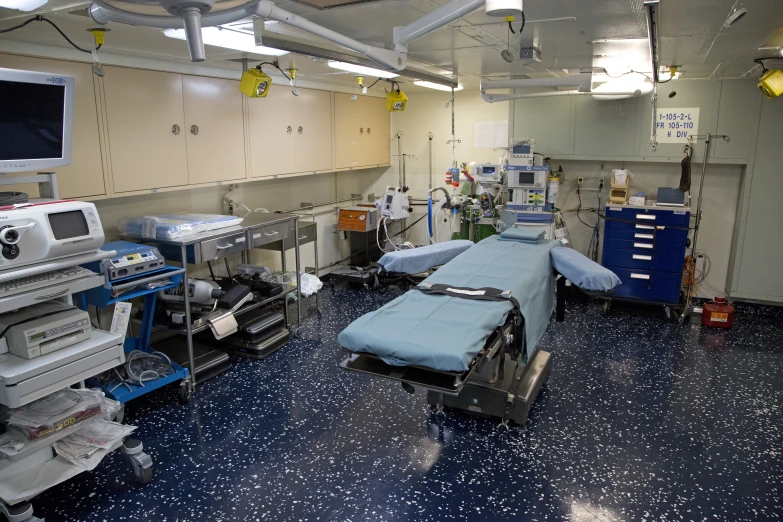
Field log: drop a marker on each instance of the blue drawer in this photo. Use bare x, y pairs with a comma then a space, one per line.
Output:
648, 285
629, 232
673, 218
643, 260
647, 245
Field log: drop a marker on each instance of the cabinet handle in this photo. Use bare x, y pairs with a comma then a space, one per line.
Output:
175, 130
642, 245
361, 130
271, 233
643, 236
645, 227
224, 247
642, 258
289, 129
368, 130
640, 276
301, 129
645, 216
194, 130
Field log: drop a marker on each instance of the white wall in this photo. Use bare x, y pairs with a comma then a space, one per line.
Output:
426, 112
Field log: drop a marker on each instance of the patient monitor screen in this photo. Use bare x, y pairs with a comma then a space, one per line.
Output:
527, 178
31, 120
66, 225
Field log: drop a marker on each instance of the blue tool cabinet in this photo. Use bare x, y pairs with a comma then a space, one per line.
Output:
645, 247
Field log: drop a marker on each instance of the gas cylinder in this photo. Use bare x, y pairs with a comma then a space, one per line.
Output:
718, 313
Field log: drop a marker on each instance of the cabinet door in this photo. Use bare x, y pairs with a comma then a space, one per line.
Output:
349, 118
313, 111
84, 176
214, 125
146, 127
378, 134
272, 128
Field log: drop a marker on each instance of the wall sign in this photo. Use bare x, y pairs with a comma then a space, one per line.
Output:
675, 125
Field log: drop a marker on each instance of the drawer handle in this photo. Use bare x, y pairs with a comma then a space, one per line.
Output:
224, 247
642, 258
640, 276
268, 234
642, 245
648, 217
643, 236
302, 237
645, 227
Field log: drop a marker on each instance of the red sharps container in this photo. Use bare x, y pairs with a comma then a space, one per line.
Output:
718, 313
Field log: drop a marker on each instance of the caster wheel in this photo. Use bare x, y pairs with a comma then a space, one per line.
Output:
607, 307
668, 311
297, 331
144, 476
120, 415
185, 391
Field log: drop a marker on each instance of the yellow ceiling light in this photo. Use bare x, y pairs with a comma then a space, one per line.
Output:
396, 101
255, 83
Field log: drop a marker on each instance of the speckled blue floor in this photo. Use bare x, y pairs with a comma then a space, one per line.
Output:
641, 420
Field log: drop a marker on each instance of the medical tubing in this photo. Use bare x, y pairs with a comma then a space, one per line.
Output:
429, 216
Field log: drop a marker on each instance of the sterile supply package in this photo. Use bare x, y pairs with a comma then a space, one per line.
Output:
57, 411
174, 226
621, 176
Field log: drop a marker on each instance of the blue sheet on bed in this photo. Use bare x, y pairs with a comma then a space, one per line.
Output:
421, 259
445, 333
583, 271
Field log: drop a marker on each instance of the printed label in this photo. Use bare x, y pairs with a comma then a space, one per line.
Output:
719, 318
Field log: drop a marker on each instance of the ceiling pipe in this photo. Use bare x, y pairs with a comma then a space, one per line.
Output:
651, 11
495, 98
441, 16
583, 81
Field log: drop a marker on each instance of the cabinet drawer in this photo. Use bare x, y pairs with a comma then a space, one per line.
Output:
643, 260
646, 246
220, 247
271, 233
650, 216
628, 232
648, 285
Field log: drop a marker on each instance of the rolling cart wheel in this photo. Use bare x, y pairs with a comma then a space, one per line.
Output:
144, 476
185, 391
607, 307
668, 311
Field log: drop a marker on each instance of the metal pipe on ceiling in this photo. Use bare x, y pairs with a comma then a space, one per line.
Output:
651, 12
441, 16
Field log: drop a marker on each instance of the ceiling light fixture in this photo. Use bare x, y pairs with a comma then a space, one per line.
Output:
22, 5
622, 88
735, 16
437, 86
361, 69
229, 39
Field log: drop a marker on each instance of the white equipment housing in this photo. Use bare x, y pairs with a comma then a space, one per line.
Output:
395, 204
50, 230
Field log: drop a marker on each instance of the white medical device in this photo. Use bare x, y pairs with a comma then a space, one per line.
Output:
37, 120
521, 154
44, 328
38, 232
395, 204
486, 173
527, 177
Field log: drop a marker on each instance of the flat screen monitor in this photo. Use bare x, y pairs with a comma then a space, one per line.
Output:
36, 120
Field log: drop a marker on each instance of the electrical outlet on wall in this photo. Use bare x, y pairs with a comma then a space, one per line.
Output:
580, 181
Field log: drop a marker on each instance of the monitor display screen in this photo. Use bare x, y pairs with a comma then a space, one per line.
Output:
527, 178
489, 170
31, 120
66, 225
521, 149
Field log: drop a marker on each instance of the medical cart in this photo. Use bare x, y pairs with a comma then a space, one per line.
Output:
256, 230
125, 289
645, 247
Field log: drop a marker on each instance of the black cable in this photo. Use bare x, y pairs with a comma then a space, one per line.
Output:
511, 28
524, 20
579, 209
40, 18
761, 61
276, 65
409, 226
373, 83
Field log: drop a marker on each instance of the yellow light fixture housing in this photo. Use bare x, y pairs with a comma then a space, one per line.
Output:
396, 101
771, 83
99, 33
255, 83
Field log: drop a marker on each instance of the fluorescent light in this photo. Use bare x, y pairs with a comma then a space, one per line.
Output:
437, 86
624, 87
360, 69
22, 5
228, 38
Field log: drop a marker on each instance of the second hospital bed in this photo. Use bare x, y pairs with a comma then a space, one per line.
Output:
469, 333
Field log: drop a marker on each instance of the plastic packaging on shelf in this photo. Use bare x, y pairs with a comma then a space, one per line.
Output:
310, 284
57, 411
175, 226
100, 434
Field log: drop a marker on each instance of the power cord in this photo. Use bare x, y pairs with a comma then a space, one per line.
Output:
276, 65
40, 18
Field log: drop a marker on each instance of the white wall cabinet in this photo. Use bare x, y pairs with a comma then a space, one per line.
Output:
361, 132
84, 176
290, 134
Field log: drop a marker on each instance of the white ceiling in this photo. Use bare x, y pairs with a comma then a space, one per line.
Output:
571, 34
